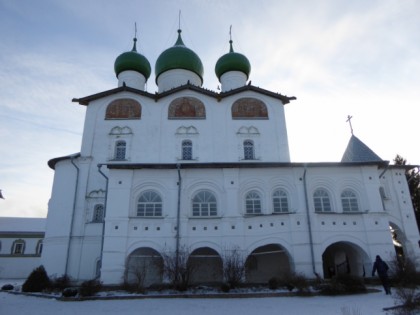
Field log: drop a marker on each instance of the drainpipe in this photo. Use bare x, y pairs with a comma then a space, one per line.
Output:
178, 219
311, 243
103, 224
72, 214
386, 168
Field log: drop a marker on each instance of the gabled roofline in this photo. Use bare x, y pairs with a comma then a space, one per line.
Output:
87, 99
219, 96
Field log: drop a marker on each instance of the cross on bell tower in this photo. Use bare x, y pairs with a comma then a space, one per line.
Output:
349, 121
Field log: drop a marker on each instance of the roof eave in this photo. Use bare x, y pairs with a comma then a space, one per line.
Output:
379, 164
87, 99
54, 161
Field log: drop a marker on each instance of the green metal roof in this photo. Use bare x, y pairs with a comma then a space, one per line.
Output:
232, 61
179, 57
132, 60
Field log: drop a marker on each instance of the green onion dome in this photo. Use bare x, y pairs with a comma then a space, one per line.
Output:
179, 57
132, 60
232, 61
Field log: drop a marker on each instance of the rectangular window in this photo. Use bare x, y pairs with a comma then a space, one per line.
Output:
18, 250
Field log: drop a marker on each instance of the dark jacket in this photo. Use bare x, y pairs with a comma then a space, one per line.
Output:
380, 266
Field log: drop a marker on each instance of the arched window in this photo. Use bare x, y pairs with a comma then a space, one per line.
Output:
249, 150
98, 213
39, 247
149, 204
349, 201
120, 150
204, 204
280, 201
253, 203
18, 247
322, 201
187, 150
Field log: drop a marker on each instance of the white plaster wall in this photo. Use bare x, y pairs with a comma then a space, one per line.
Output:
368, 231
14, 267
176, 77
132, 79
154, 138
60, 209
232, 80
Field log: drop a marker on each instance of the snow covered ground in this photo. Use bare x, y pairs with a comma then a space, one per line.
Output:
363, 304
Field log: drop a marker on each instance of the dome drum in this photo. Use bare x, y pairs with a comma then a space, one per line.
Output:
228, 68
132, 79
179, 57
133, 63
232, 80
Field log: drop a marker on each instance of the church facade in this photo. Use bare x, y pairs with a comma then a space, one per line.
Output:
209, 173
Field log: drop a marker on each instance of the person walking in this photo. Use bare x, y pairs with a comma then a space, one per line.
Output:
382, 268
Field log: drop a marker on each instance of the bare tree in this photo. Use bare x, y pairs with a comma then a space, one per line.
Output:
137, 269
233, 266
178, 268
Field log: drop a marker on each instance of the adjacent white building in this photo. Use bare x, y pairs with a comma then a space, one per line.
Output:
21, 243
206, 171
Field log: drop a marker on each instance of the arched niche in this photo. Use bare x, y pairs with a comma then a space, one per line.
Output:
124, 108
249, 108
186, 108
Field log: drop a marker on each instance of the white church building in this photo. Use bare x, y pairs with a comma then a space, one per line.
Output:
210, 172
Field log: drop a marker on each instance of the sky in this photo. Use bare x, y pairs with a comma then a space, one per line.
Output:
337, 57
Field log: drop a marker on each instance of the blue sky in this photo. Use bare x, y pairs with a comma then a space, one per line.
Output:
338, 57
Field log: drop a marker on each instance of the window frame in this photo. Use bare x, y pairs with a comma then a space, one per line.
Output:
18, 244
249, 149
283, 202
39, 247
352, 201
322, 199
253, 205
98, 208
204, 205
152, 206
120, 152
187, 150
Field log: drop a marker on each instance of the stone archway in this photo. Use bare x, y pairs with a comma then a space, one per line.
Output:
345, 258
266, 262
207, 266
144, 264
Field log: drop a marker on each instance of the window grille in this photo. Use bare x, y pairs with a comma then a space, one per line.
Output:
322, 201
204, 204
187, 150
280, 202
149, 205
249, 150
253, 203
